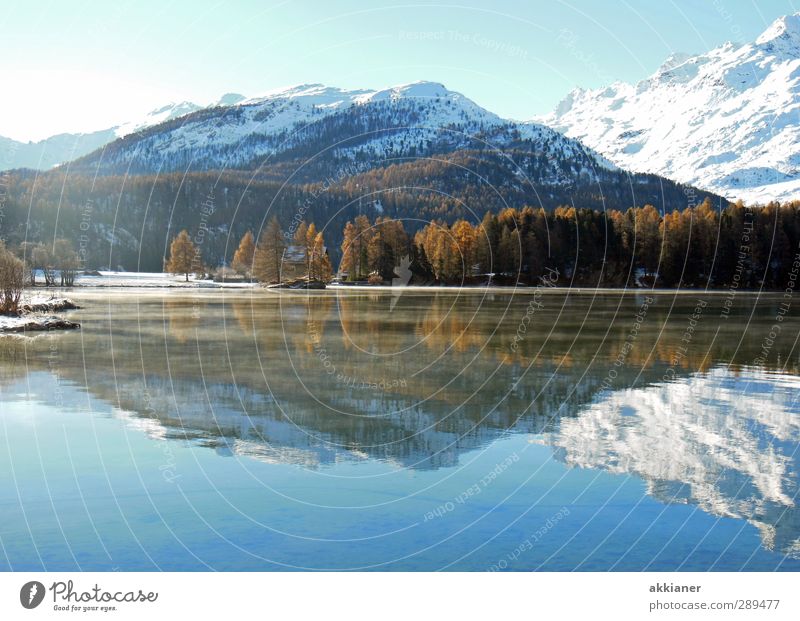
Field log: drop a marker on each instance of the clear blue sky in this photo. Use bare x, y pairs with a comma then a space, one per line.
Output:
77, 66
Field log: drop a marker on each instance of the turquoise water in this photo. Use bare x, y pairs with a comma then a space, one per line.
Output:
189, 431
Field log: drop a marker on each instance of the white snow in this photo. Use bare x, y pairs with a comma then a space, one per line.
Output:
404, 120
727, 121
151, 279
722, 440
154, 117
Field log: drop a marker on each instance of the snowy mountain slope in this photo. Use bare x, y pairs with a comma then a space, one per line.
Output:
722, 441
45, 154
51, 151
311, 121
154, 117
727, 121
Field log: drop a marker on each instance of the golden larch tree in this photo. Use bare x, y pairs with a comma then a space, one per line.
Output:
243, 257
183, 256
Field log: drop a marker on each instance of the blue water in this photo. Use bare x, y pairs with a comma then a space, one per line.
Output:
85, 491
112, 461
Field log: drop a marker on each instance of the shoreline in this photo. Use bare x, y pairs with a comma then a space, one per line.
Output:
466, 289
35, 314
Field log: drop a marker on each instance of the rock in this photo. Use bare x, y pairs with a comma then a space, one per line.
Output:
301, 283
39, 324
50, 306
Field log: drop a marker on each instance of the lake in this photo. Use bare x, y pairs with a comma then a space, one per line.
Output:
433, 430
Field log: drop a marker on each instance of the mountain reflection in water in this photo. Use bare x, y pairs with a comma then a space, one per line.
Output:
419, 380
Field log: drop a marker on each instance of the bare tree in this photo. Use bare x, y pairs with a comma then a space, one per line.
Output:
66, 259
12, 280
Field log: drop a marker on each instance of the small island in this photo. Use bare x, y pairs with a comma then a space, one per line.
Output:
21, 313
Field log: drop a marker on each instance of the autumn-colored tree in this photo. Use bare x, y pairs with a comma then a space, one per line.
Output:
703, 242
309, 242
487, 238
183, 256
243, 257
465, 239
381, 257
324, 267
349, 262
268, 255
442, 251
364, 234
394, 234
320, 261
647, 237
355, 259
675, 231
300, 242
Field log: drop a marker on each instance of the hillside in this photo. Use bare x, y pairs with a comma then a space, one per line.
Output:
727, 121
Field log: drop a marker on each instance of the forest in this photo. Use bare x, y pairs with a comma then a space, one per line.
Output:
740, 246
470, 226
127, 221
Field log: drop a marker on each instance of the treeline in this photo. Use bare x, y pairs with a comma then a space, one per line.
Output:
695, 247
746, 247
277, 257
127, 221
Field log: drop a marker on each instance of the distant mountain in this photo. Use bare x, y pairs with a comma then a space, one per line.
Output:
313, 123
727, 121
419, 152
45, 154
55, 150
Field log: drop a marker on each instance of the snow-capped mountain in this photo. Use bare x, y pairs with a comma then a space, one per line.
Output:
154, 117
416, 151
55, 150
313, 121
724, 442
726, 121
45, 154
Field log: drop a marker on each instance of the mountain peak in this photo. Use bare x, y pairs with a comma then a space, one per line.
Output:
229, 99
421, 88
786, 27
724, 120
673, 60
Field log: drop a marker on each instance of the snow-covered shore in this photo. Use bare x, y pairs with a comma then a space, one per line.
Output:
152, 279
34, 315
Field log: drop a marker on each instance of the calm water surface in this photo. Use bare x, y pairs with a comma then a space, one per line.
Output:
364, 430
